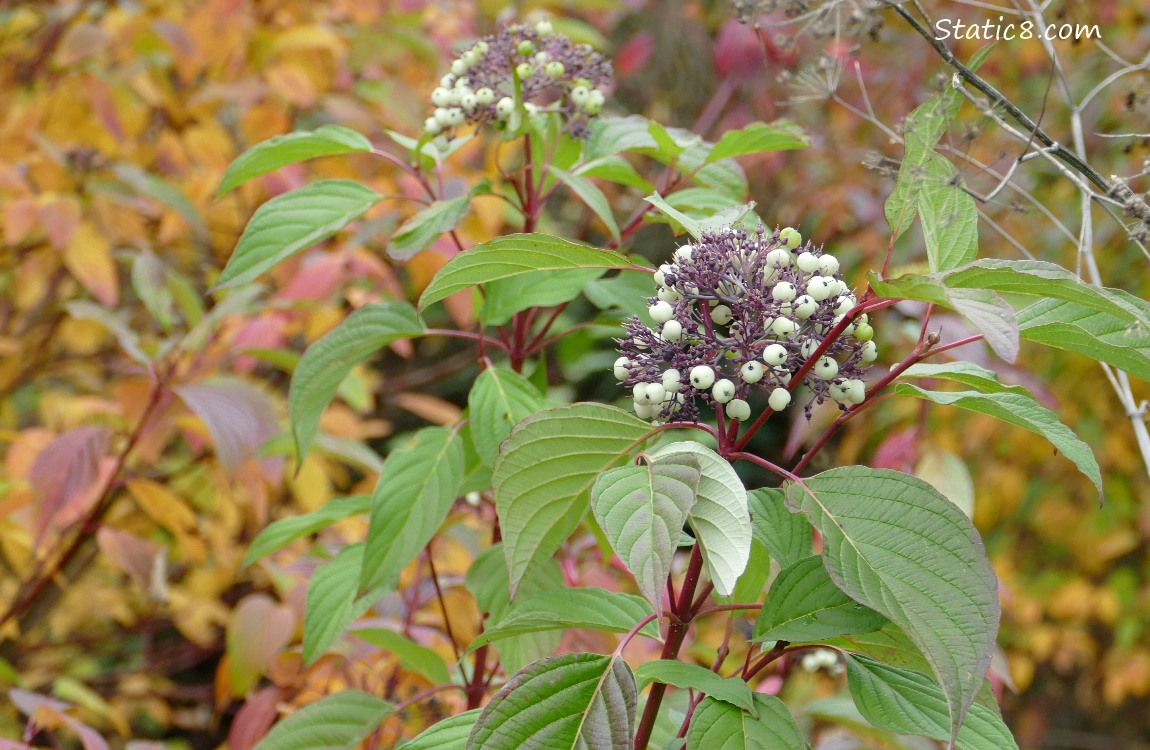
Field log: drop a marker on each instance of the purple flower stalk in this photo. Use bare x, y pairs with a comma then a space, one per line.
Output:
741, 310
554, 75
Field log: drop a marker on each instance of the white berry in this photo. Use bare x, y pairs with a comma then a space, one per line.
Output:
779, 399
777, 257
784, 291
829, 265
869, 352
819, 288
804, 307
672, 329
807, 262
504, 107
775, 354
441, 97
622, 368
579, 95
644, 411
668, 295
855, 391
783, 327
751, 372
723, 391
485, 96
721, 315
672, 380
683, 254
738, 410
826, 368
702, 377
661, 312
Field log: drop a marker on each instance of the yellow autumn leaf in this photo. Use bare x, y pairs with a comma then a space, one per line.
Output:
88, 256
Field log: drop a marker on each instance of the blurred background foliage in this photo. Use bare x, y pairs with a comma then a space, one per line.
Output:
120, 377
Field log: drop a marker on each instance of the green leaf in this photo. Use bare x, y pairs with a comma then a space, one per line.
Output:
614, 169
1102, 336
505, 297
286, 530
545, 471
759, 137
804, 605
415, 234
568, 701
693, 677
991, 316
944, 596
331, 604
592, 196
786, 536
589, 608
449, 734
720, 518
334, 722
642, 509
626, 290
327, 362
613, 135
949, 221
149, 280
429, 153
967, 373
414, 657
292, 222
680, 222
721, 726
909, 702
514, 255
416, 489
499, 400
326, 140
488, 581
1022, 410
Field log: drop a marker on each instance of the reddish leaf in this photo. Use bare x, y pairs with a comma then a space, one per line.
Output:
260, 629
130, 553
254, 719
239, 416
65, 471
634, 54
898, 451
60, 217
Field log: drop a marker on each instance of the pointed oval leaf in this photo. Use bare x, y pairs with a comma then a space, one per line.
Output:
423, 228
487, 580
292, 222
720, 726
591, 196
642, 510
944, 596
328, 361
786, 536
499, 400
967, 373
589, 608
414, 657
1021, 410
691, 676
334, 722
804, 605
720, 516
415, 491
909, 702
1100, 335
949, 222
286, 530
505, 297
570, 701
759, 137
544, 474
239, 416
331, 604
449, 734
514, 255
290, 148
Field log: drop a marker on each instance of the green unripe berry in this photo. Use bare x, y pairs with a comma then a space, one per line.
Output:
524, 70
579, 95
526, 47
554, 69
738, 410
723, 391
863, 332
751, 372
594, 103
702, 377
791, 237
779, 399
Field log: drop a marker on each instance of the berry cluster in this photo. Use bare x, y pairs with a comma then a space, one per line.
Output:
738, 310
553, 75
